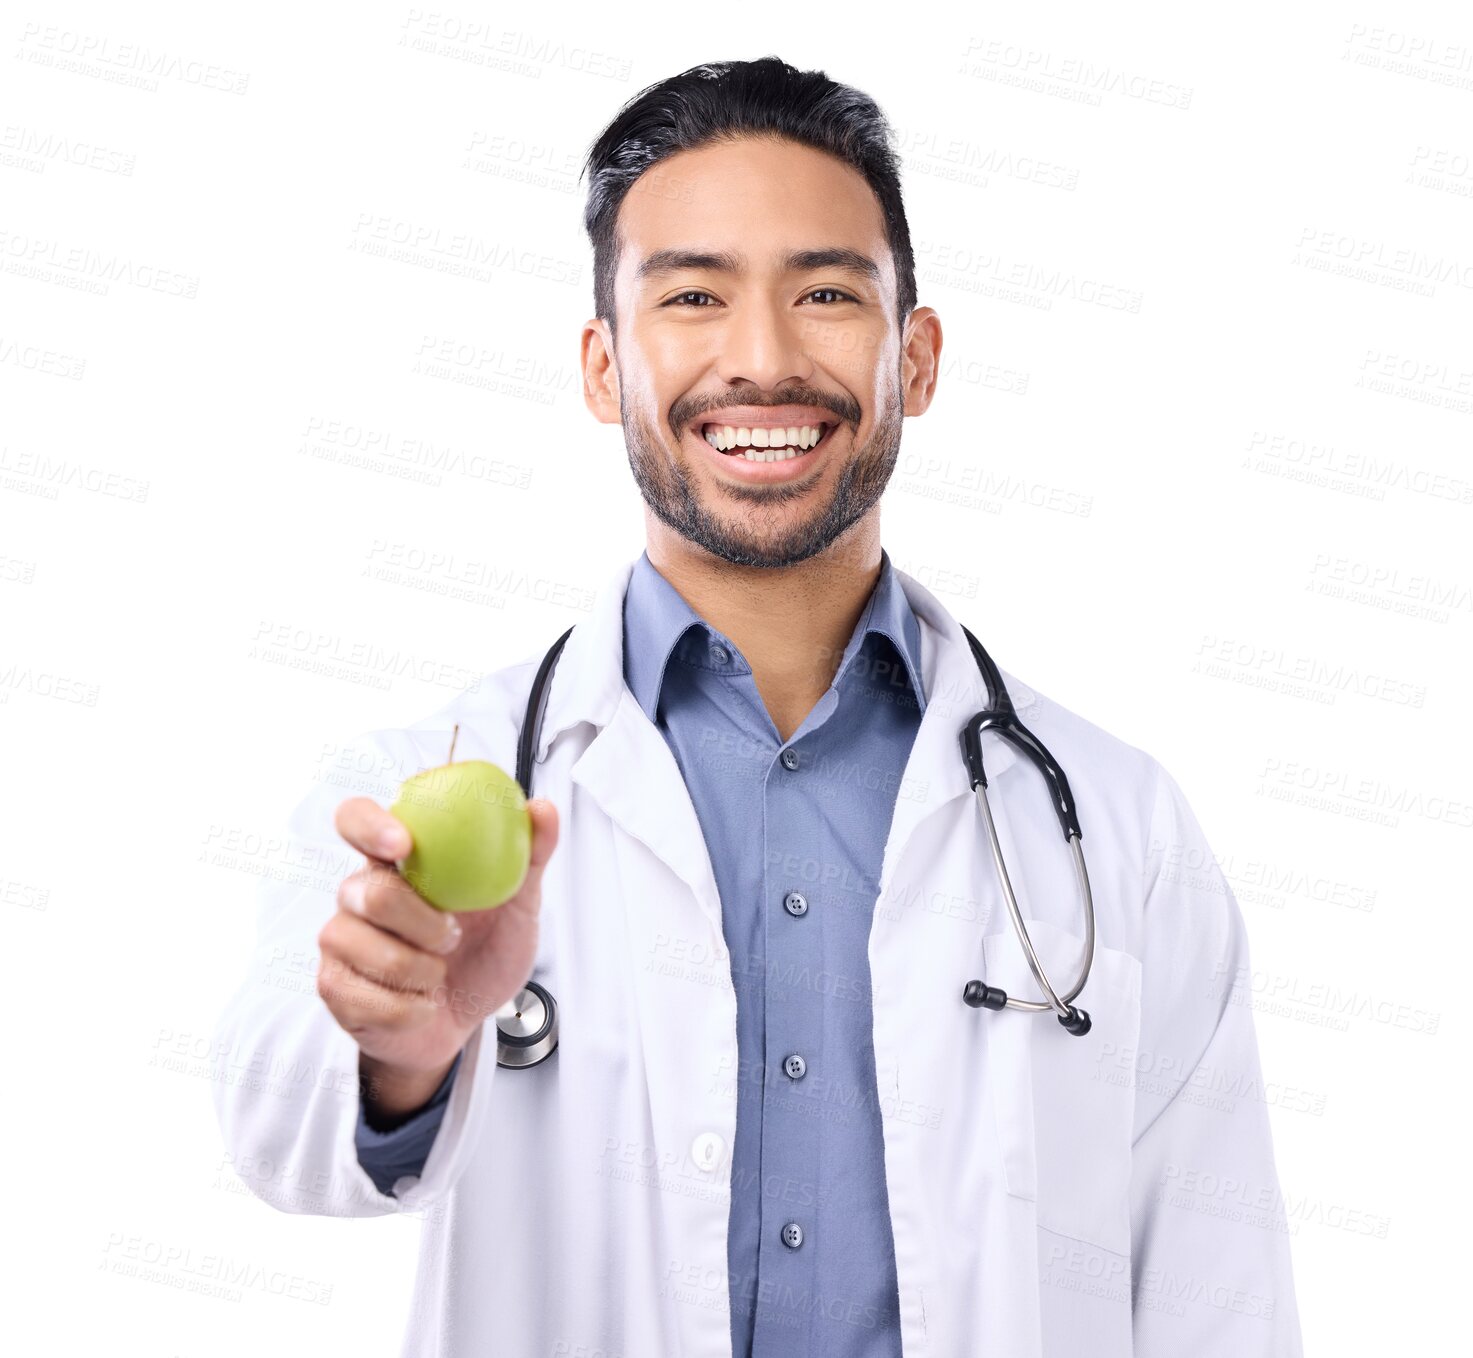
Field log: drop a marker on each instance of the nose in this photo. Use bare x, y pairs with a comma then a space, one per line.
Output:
762, 343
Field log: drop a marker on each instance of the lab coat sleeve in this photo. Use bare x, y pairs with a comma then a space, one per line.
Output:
1211, 1270
404, 1148
285, 1081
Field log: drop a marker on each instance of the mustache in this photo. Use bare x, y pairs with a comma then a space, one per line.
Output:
684, 411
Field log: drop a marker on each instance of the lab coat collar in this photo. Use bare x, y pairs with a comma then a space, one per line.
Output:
589, 678
630, 770
936, 773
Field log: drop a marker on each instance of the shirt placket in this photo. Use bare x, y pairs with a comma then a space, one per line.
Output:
793, 1054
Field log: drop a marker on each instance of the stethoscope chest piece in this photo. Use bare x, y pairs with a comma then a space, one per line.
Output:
526, 1027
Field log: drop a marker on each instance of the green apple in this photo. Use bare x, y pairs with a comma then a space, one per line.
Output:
471, 832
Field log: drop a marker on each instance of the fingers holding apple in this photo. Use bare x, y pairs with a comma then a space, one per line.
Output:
378, 894
409, 979
373, 981
412, 1007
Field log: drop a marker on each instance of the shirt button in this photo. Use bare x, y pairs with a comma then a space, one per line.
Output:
795, 1066
792, 1235
706, 1150
795, 903
790, 759
719, 655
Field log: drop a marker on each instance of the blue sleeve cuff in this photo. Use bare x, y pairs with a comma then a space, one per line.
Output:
388, 1156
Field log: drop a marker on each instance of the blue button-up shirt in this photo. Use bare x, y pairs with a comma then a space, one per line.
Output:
796, 832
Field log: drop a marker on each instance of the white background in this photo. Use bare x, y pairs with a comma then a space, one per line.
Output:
1227, 521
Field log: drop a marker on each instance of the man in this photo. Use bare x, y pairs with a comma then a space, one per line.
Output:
759, 879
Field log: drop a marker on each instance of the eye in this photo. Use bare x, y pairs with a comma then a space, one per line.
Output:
681, 296
836, 292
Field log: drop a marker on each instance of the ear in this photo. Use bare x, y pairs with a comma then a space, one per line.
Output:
600, 372
920, 359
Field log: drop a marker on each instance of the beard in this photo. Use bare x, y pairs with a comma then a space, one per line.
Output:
748, 534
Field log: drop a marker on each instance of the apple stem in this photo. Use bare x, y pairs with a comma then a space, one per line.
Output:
454, 736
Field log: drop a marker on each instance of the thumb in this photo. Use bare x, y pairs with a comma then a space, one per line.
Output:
545, 832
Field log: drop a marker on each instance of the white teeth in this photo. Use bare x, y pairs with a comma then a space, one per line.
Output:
795, 439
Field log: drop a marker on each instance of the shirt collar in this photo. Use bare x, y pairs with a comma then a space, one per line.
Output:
657, 620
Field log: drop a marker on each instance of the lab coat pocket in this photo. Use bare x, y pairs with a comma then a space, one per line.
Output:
1064, 1114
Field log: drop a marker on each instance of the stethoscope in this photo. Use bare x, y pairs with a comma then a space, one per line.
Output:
527, 1024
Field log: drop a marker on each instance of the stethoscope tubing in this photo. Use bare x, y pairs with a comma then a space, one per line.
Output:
1000, 718
1059, 1003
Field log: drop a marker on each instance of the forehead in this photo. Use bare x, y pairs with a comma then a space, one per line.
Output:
758, 198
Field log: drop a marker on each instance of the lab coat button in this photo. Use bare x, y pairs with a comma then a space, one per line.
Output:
790, 759
404, 1183
795, 903
706, 1150
795, 1066
792, 1235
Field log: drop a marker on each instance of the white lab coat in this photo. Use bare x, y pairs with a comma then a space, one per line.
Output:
1051, 1196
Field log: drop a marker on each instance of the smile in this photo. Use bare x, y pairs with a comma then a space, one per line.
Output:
763, 444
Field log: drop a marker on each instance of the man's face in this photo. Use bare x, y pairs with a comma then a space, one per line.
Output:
776, 343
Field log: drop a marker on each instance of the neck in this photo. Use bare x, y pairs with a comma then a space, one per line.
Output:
790, 623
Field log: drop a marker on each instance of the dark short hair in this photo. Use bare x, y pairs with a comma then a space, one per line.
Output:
722, 101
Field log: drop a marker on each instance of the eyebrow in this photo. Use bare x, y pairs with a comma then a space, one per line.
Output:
664, 262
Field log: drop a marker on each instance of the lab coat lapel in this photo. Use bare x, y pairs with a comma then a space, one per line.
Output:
627, 768
630, 771
936, 772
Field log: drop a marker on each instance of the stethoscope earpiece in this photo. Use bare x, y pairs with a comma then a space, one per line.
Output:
1075, 1021
981, 996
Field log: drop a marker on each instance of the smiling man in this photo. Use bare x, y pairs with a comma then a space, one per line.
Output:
761, 358
791, 1109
